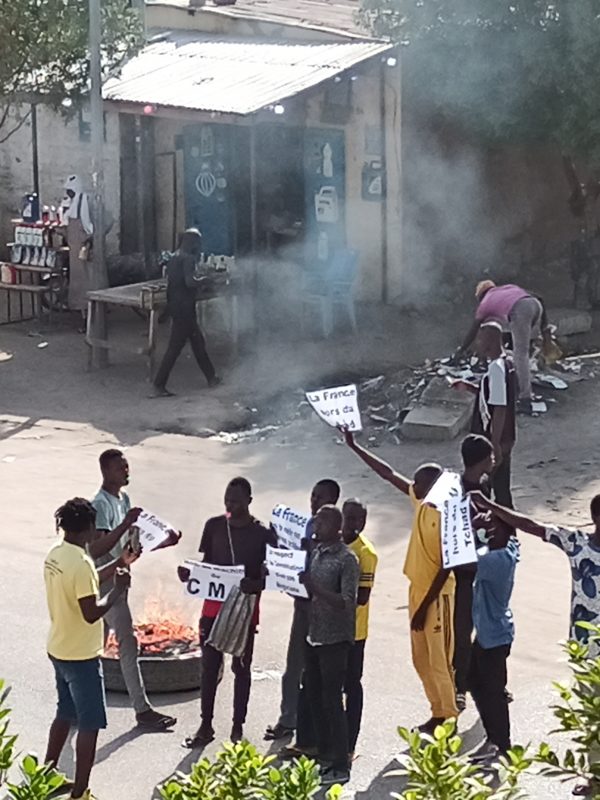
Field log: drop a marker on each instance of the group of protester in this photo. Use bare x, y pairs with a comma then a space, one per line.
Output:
461, 625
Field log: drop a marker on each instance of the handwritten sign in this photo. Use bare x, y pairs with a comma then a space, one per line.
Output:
152, 531
284, 568
447, 486
458, 541
211, 582
290, 526
337, 406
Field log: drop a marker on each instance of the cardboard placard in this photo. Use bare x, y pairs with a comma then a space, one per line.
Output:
284, 567
152, 531
290, 526
446, 487
458, 539
211, 582
337, 406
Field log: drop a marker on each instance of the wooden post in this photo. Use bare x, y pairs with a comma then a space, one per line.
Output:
253, 223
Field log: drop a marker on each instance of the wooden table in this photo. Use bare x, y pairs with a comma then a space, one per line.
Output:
148, 296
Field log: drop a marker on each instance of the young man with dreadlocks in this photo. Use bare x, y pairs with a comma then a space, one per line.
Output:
76, 640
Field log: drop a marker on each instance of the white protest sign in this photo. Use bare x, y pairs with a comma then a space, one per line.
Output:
458, 541
211, 582
290, 526
284, 567
152, 531
447, 486
337, 406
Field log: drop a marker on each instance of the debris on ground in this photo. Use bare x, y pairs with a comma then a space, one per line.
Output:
387, 399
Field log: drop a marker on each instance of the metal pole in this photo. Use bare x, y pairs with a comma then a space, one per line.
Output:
34, 151
100, 273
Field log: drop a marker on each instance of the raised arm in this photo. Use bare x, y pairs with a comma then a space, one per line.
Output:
378, 466
508, 516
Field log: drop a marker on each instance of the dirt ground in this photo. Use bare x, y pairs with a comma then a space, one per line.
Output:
55, 419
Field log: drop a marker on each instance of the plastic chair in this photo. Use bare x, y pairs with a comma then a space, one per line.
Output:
334, 287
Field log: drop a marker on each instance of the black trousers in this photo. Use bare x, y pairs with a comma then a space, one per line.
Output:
325, 674
487, 683
463, 629
212, 663
184, 328
501, 482
353, 690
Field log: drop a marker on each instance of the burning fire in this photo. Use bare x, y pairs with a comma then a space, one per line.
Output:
159, 633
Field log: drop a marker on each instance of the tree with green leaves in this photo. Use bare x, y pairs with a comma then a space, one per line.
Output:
506, 72
45, 57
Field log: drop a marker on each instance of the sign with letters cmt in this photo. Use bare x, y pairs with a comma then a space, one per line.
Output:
284, 568
211, 582
337, 406
290, 526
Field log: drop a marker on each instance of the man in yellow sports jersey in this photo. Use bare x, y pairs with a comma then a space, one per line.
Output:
354, 521
431, 591
76, 638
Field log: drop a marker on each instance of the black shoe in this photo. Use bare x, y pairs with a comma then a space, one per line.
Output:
275, 732
429, 727
461, 701
332, 777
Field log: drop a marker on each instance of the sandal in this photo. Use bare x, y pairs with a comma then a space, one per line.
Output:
295, 751
278, 731
202, 738
155, 721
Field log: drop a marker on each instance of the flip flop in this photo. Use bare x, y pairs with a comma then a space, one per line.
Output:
198, 740
278, 731
292, 751
159, 722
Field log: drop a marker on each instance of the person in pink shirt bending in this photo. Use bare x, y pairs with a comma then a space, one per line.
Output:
526, 317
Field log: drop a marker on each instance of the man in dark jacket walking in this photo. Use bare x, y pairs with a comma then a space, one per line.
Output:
181, 305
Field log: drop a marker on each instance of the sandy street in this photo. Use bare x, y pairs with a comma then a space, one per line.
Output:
54, 422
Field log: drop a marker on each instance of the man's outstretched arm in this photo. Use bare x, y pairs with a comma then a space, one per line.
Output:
378, 466
510, 517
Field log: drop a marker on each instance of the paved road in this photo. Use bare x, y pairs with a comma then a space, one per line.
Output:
182, 478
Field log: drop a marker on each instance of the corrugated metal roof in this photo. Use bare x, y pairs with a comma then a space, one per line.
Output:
338, 15
196, 71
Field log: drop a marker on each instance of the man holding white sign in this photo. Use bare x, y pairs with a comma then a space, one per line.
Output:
114, 522
431, 591
295, 713
236, 539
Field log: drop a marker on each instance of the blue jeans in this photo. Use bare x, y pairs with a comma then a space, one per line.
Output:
80, 689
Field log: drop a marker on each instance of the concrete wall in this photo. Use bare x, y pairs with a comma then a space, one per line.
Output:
60, 153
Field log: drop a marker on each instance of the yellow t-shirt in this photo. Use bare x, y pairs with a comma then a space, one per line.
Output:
367, 562
70, 574
424, 553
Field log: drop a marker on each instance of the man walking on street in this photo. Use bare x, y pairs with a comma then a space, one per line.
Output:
431, 590
75, 641
354, 520
332, 584
325, 492
114, 518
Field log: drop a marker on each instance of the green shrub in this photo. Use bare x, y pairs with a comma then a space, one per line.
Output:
39, 781
435, 770
578, 715
240, 772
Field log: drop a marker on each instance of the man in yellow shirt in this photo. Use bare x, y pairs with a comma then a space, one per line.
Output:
354, 521
431, 591
76, 637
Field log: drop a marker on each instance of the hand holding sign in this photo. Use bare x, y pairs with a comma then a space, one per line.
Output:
338, 406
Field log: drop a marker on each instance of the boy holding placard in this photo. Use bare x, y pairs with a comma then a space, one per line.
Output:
324, 492
431, 591
234, 538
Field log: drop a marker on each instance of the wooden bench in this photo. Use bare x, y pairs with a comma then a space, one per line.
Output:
24, 290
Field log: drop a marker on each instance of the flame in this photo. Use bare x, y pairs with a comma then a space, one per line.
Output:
160, 630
